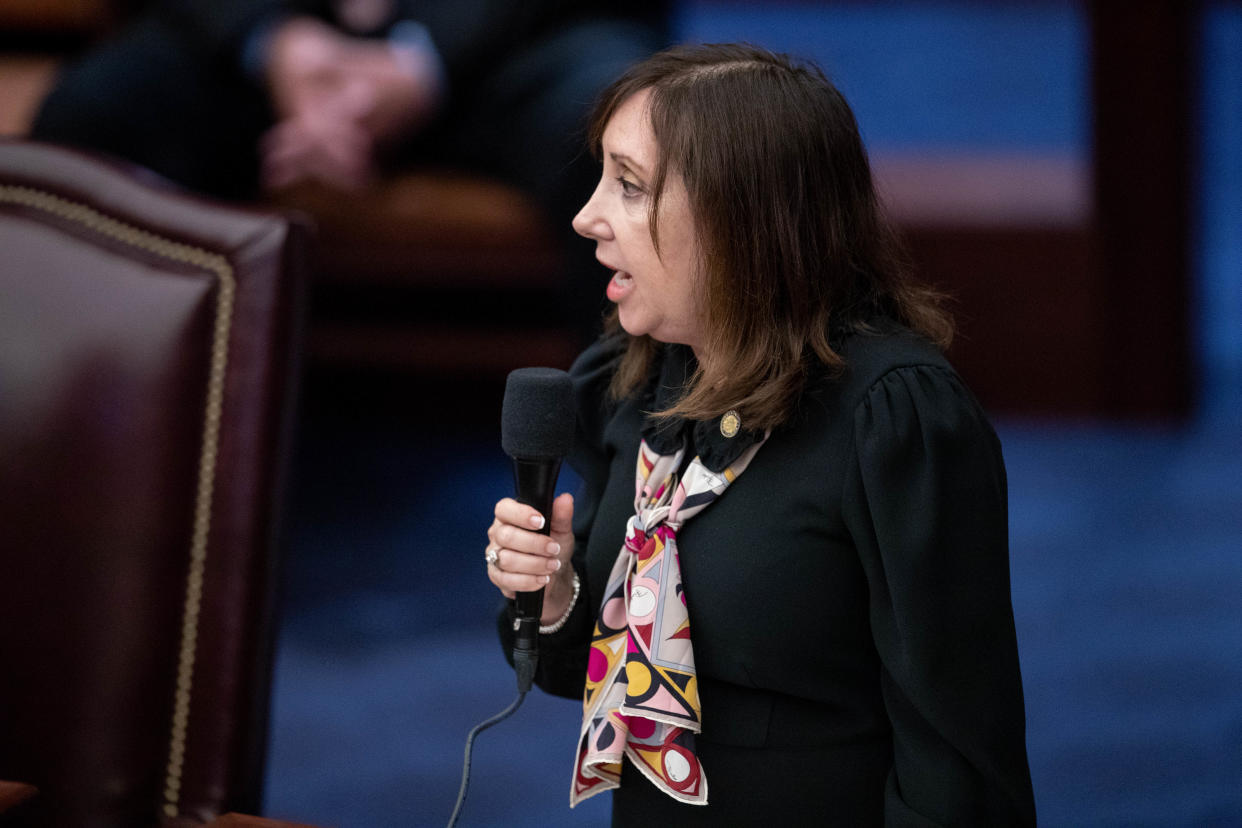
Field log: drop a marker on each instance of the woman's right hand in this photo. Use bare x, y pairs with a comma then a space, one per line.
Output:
526, 560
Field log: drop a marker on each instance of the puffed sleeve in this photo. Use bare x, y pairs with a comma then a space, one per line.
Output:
926, 505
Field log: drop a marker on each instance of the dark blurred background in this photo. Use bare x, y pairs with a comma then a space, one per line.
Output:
1072, 174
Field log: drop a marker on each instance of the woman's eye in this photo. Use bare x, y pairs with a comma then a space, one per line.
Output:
628, 188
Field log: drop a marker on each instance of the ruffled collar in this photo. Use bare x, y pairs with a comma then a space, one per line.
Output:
715, 448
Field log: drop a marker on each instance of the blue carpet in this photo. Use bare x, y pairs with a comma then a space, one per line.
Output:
1126, 577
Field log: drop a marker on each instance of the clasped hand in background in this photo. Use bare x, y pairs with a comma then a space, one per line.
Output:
340, 102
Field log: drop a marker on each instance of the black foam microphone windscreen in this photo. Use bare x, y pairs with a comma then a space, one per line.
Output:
537, 416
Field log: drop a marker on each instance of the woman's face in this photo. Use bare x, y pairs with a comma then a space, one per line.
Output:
655, 294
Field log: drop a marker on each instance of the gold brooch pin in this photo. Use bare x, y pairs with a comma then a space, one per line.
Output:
730, 423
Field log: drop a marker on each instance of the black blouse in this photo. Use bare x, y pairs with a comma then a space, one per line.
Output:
848, 596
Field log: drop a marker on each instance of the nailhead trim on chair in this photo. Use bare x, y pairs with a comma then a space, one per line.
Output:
219, 266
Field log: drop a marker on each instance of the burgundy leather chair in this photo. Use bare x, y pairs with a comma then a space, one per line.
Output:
148, 344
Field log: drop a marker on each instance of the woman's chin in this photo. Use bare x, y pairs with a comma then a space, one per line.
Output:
628, 324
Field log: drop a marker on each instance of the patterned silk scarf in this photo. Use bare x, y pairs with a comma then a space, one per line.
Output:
642, 697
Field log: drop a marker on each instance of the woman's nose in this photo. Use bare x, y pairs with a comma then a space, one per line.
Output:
589, 222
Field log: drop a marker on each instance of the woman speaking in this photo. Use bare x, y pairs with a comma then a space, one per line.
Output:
783, 593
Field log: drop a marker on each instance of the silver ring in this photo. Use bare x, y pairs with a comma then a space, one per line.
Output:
492, 553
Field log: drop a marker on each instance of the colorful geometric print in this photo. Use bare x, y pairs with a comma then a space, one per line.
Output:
642, 695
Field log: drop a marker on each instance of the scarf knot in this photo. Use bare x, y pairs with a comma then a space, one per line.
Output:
635, 538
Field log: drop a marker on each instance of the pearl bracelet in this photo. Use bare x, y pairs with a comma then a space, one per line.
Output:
556, 625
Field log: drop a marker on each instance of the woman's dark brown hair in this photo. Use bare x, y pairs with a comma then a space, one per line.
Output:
795, 248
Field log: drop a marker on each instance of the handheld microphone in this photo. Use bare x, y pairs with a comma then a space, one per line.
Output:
536, 431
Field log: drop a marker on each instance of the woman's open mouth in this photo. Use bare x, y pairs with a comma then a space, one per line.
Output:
619, 285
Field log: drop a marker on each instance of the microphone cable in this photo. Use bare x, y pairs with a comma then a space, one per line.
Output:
525, 662
465, 770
